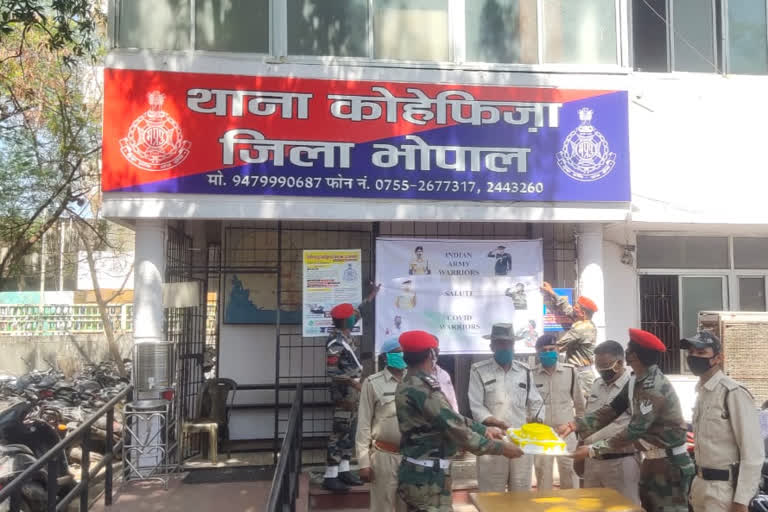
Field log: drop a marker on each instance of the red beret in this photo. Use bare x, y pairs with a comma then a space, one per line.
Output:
647, 340
417, 341
587, 303
342, 311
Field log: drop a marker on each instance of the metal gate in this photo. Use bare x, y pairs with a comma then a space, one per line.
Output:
660, 314
186, 327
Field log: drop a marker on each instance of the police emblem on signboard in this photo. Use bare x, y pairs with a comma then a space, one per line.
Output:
155, 141
585, 155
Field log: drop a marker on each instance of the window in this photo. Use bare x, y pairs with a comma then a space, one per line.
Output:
749, 252
704, 36
338, 28
501, 31
752, 293
699, 294
582, 32
747, 42
696, 252
232, 25
411, 29
154, 24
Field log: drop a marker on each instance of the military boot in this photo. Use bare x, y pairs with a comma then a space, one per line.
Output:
350, 478
335, 485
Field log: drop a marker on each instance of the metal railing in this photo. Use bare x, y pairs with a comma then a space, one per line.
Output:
50, 461
285, 482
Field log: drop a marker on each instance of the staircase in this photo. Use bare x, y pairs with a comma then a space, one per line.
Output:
358, 498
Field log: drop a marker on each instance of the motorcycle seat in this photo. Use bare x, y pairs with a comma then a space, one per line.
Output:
7, 450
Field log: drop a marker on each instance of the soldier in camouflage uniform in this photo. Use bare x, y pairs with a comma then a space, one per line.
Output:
578, 343
432, 432
344, 369
656, 428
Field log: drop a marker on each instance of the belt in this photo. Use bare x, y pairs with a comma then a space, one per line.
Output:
719, 475
387, 447
663, 453
430, 463
612, 456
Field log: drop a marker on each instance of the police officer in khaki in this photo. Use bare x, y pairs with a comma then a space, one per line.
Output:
559, 386
618, 469
378, 434
502, 394
729, 447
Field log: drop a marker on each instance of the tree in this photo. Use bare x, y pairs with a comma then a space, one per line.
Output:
50, 113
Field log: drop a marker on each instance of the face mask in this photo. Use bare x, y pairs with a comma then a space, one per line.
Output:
504, 356
699, 365
395, 360
548, 359
607, 375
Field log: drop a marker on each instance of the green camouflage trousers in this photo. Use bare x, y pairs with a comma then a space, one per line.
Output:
665, 483
341, 444
423, 489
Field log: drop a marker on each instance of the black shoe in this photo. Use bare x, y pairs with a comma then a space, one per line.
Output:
349, 478
335, 485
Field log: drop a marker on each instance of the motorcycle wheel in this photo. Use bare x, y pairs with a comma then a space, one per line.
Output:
34, 498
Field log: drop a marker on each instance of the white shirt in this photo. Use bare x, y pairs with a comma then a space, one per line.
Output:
510, 396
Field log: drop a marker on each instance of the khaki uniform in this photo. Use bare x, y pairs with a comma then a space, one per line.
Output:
509, 396
563, 400
727, 432
618, 469
578, 344
378, 434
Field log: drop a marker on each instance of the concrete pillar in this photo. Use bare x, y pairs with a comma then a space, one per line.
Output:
149, 274
590, 256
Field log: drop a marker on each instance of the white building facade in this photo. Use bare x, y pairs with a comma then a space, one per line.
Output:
658, 219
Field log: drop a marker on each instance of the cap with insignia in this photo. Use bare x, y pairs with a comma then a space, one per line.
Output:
587, 303
647, 340
417, 341
504, 332
546, 340
342, 311
702, 339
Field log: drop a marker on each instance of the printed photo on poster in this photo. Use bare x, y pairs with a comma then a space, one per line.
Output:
553, 321
457, 289
251, 298
330, 277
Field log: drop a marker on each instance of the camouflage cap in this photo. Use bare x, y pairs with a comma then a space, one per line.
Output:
702, 339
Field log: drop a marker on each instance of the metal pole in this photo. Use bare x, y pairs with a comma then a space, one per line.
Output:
53, 488
85, 466
108, 449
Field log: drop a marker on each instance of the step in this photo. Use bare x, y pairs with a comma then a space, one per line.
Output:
359, 497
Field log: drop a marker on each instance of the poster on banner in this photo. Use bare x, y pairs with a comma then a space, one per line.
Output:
329, 277
554, 321
457, 290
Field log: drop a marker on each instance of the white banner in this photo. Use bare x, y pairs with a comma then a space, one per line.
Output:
457, 289
330, 277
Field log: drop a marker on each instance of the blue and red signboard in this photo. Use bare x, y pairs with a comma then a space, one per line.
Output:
168, 132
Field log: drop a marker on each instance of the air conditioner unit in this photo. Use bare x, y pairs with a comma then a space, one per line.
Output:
744, 336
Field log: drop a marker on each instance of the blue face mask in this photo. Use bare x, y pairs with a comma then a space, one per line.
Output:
504, 356
395, 360
548, 359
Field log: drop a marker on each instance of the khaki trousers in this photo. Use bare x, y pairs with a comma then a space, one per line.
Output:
711, 496
499, 474
384, 485
543, 464
621, 474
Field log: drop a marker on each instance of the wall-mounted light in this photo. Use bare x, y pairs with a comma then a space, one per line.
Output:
627, 257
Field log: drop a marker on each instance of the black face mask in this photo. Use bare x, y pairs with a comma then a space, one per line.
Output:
698, 365
607, 375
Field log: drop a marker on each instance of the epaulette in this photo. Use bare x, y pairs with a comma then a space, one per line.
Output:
432, 382
732, 385
480, 364
376, 376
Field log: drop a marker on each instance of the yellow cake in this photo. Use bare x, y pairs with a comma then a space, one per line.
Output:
536, 438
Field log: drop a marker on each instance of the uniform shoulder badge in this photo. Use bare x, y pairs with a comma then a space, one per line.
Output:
432, 382
646, 406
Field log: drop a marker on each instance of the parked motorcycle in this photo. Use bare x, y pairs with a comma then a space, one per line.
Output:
14, 460
23, 438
